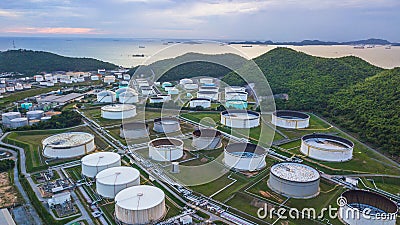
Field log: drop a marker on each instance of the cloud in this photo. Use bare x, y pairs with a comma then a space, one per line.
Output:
52, 30
9, 13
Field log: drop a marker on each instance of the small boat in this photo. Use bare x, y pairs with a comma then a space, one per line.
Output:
247, 46
142, 46
138, 55
388, 47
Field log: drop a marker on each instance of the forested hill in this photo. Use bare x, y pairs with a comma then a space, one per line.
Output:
371, 109
32, 62
308, 80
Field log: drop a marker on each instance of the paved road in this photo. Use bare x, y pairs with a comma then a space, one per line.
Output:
34, 216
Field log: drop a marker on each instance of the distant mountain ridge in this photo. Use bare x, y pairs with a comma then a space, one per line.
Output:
371, 41
30, 62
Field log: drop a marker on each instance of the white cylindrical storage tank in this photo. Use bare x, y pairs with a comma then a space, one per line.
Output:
128, 97
122, 90
18, 122
165, 149
166, 125
113, 180
106, 96
68, 145
34, 114
206, 139
290, 119
38, 78
244, 157
185, 81
235, 89
127, 77
165, 97
212, 95
8, 116
358, 207
236, 95
294, 180
118, 111
203, 102
208, 88
191, 86
240, 118
94, 77
134, 130
147, 90
94, 163
326, 147
156, 100
206, 80
45, 118
142, 204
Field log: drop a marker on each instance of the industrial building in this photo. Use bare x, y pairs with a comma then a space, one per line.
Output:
244, 156
212, 95
106, 96
206, 139
208, 88
142, 204
235, 89
294, 180
156, 99
240, 118
203, 102
118, 111
112, 180
206, 80
59, 199
60, 99
166, 97
94, 163
134, 130
185, 81
165, 149
365, 207
327, 147
68, 145
166, 125
290, 119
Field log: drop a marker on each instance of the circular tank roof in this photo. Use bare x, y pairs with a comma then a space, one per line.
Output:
100, 159
70, 139
291, 114
207, 92
128, 94
118, 107
117, 175
139, 197
19, 119
295, 172
206, 133
365, 199
165, 141
200, 99
11, 114
35, 112
106, 93
245, 148
327, 141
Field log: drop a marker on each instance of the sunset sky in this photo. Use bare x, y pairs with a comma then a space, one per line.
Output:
277, 20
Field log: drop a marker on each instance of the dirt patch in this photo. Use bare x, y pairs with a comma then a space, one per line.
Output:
8, 194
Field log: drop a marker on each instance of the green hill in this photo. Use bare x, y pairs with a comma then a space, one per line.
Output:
371, 109
32, 62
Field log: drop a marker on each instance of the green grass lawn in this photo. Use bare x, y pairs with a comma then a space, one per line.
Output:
31, 142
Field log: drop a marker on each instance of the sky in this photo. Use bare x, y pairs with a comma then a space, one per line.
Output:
277, 20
